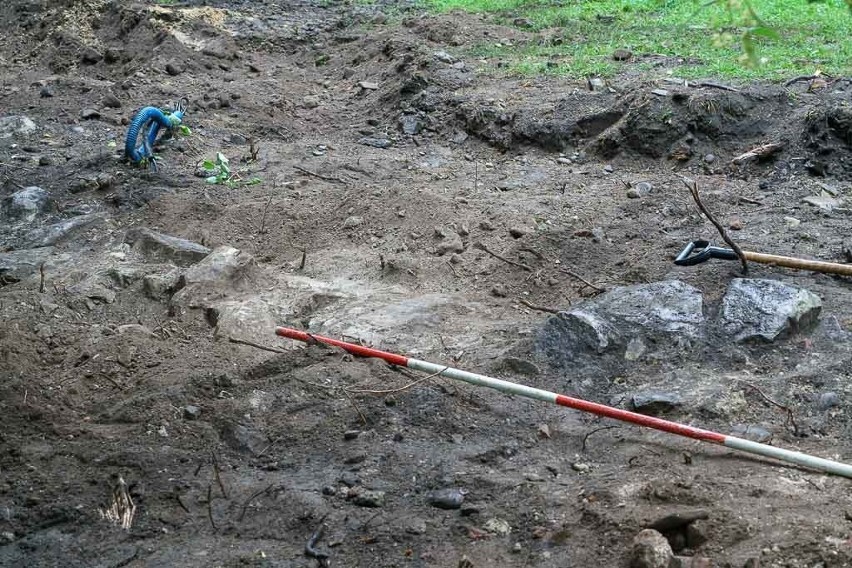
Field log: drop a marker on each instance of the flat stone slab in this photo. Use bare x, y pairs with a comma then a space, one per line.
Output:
181, 252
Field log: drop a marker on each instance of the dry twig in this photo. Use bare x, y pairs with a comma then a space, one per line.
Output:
121, 509
601, 429
538, 308
217, 475
210, 507
759, 152
581, 279
255, 345
320, 176
503, 258
693, 189
790, 418
251, 498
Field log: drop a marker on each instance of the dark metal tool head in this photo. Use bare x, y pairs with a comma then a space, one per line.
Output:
699, 251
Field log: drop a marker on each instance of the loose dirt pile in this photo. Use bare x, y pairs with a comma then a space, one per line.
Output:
394, 190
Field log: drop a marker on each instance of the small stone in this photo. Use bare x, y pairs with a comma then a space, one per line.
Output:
596, 84
544, 431
521, 366
486, 225
237, 139
91, 56
828, 400
163, 432
499, 291
45, 161
608, 168
650, 550
352, 222
824, 203
736, 225
564, 161
451, 243
751, 432
622, 54
349, 479
89, 114
371, 499
368, 85
446, 498
641, 189
409, 124
16, 126
635, 349
329, 490
111, 101
660, 92
709, 158
355, 458
46, 92
517, 547
351, 434
518, 232
310, 101
7, 537
444, 57
497, 526
165, 247
581, 467
654, 403
416, 526
375, 142
174, 68
191, 412
792, 222
348, 72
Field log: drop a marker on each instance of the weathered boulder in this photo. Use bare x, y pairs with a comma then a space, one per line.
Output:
19, 264
16, 126
161, 285
650, 550
223, 272
181, 252
766, 310
26, 204
661, 313
52, 234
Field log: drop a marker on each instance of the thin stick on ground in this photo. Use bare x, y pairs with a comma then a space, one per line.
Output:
400, 389
693, 189
263, 219
581, 279
251, 498
790, 418
41, 279
217, 475
601, 429
304, 259
210, 507
538, 308
355, 406
503, 258
255, 345
317, 175
712, 85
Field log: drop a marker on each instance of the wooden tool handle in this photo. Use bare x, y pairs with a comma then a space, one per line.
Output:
800, 263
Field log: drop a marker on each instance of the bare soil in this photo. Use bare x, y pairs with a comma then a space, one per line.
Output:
536, 169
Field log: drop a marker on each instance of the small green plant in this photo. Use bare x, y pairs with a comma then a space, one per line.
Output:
184, 130
221, 173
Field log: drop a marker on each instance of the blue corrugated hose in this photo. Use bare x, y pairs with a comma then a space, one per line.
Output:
152, 119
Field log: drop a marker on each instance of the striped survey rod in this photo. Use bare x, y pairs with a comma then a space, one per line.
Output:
508, 387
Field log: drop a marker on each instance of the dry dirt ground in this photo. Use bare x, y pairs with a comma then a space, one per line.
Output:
235, 456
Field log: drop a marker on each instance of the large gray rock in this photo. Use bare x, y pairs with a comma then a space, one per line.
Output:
16, 126
224, 271
51, 234
19, 264
165, 247
766, 310
661, 313
26, 204
650, 550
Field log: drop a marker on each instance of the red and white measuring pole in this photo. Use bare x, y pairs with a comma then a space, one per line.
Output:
799, 458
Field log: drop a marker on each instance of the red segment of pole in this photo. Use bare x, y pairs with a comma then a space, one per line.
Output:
640, 419
358, 350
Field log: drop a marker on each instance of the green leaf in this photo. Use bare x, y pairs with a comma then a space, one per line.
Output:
185, 130
220, 157
111, 144
254, 181
208, 165
212, 180
764, 32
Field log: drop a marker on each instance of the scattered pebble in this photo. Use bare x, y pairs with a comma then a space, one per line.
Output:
518, 232
650, 550
497, 526
581, 467
752, 432
111, 101
89, 114
371, 499
499, 290
654, 403
351, 434
622, 54
310, 101
444, 57
352, 222
792, 222
828, 400
736, 225
191, 412
608, 168
174, 68
329, 490
660, 92
709, 158
446, 498
368, 85
46, 92
375, 142
486, 225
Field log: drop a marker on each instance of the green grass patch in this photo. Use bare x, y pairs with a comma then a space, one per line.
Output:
578, 37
